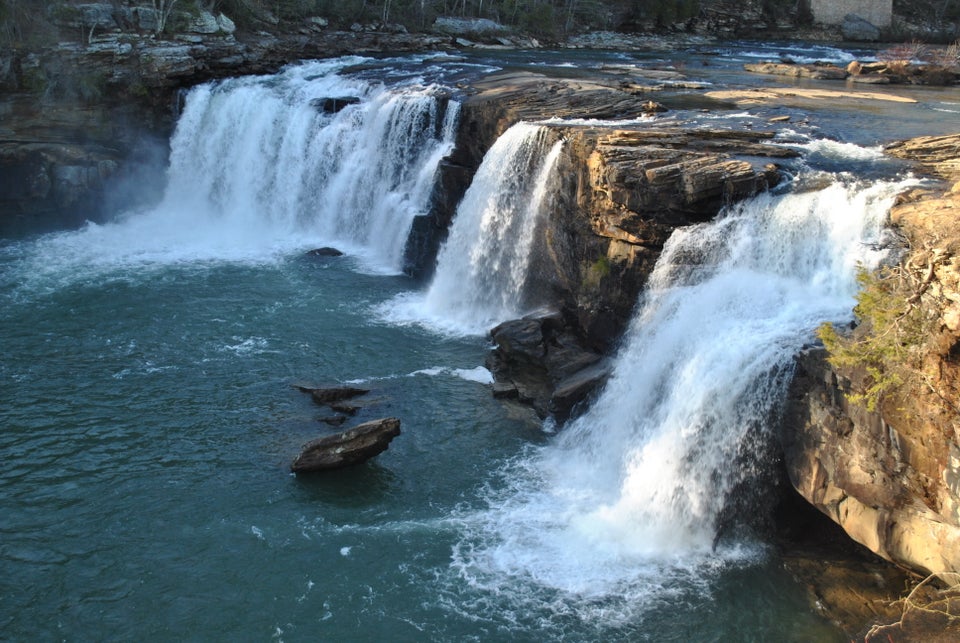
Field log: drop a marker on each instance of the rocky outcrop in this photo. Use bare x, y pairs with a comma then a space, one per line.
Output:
490, 107
891, 72
893, 491
621, 195
816, 72
541, 362
347, 448
891, 476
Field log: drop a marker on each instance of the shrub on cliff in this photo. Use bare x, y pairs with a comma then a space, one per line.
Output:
897, 329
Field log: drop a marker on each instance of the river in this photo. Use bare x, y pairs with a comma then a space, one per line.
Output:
149, 413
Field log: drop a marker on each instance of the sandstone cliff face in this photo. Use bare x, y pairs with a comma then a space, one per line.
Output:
891, 477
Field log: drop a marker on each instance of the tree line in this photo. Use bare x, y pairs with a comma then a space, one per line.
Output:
24, 21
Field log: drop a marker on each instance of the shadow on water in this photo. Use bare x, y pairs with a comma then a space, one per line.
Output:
363, 484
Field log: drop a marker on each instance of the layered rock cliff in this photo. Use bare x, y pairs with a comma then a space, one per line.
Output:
890, 475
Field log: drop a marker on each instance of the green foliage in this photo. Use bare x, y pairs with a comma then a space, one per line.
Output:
889, 342
597, 271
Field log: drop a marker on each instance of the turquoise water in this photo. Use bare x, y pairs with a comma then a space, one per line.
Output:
148, 424
148, 419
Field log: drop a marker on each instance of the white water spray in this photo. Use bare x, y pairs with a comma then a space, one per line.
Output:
259, 153
631, 493
259, 167
482, 268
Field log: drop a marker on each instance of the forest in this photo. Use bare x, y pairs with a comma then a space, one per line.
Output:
22, 24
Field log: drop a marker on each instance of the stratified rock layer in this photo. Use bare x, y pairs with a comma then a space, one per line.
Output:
891, 478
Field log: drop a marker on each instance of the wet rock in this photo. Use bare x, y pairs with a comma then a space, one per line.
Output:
334, 420
578, 387
347, 448
505, 390
342, 407
653, 107
539, 361
870, 79
334, 105
326, 251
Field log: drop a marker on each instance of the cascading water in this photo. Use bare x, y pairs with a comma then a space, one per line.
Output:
482, 267
260, 166
631, 493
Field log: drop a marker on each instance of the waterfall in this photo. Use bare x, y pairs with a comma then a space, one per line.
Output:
266, 154
631, 493
482, 268
260, 166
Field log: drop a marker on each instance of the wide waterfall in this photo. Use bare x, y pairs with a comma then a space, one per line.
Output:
632, 494
482, 269
260, 166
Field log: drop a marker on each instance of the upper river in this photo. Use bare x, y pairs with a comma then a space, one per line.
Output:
148, 415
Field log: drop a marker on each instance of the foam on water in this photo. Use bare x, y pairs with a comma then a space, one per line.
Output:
624, 507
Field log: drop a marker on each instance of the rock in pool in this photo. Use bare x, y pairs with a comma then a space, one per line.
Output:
353, 446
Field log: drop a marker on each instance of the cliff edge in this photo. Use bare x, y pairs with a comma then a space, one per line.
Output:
872, 430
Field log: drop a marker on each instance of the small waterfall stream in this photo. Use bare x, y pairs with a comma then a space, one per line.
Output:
482, 268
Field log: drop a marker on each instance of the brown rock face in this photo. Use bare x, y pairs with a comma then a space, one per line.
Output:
621, 194
817, 72
891, 478
870, 476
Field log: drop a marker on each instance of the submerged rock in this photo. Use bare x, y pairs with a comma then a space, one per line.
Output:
353, 446
326, 251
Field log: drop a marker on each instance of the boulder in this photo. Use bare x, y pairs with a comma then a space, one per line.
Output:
468, 26
225, 24
353, 446
97, 16
539, 361
857, 29
204, 23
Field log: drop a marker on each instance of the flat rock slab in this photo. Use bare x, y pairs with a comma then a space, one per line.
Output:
817, 72
353, 446
799, 94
